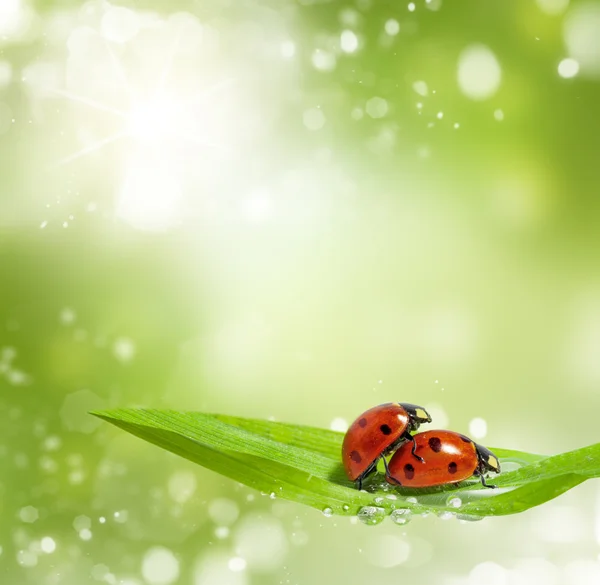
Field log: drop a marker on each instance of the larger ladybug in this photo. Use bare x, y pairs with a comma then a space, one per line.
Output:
376, 433
445, 457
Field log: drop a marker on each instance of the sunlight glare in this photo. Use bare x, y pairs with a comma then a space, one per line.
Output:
153, 120
150, 197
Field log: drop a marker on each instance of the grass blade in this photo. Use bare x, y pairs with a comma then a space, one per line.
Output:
303, 464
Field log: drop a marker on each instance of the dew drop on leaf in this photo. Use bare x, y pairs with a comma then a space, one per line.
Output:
401, 516
371, 515
468, 518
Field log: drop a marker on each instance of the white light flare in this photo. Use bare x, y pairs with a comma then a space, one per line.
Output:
15, 16
258, 207
153, 120
162, 116
150, 196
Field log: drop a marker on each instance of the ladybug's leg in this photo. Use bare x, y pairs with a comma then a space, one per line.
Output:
481, 473
365, 473
410, 437
387, 469
388, 475
487, 485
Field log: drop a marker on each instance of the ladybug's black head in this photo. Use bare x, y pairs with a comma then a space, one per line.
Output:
417, 415
487, 460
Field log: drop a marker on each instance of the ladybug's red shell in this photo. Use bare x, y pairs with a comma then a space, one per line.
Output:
371, 435
449, 457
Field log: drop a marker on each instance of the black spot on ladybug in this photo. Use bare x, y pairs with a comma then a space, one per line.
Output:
452, 467
362, 423
355, 456
465, 439
435, 444
409, 471
385, 429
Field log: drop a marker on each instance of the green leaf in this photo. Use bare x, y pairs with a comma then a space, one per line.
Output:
303, 464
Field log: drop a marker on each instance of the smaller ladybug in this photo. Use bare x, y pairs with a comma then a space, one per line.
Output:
376, 433
444, 457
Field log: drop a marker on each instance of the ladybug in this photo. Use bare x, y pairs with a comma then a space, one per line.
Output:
377, 432
444, 457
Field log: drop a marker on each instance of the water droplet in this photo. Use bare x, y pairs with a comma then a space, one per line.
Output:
401, 516
272, 495
454, 502
510, 466
327, 512
445, 515
469, 518
412, 500
391, 497
345, 507
378, 500
371, 515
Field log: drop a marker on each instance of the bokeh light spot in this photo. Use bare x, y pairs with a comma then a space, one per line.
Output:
552, 7
479, 72
377, 107
314, 119
581, 32
160, 566
568, 68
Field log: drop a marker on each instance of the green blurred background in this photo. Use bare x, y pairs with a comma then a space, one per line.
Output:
292, 209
